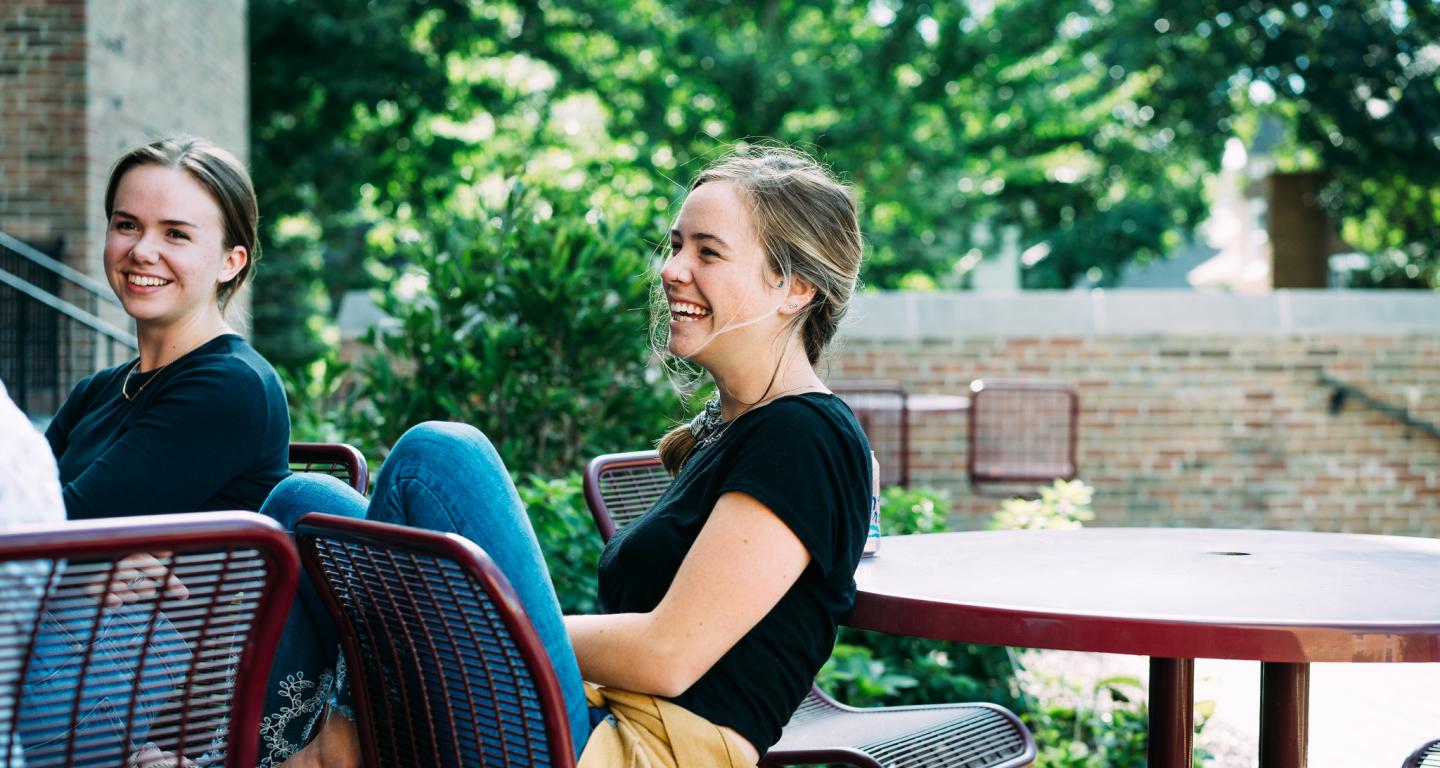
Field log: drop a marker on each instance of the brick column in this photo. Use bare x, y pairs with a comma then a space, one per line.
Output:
42, 124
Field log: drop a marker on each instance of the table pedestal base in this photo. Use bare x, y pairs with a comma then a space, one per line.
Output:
1172, 713
1284, 715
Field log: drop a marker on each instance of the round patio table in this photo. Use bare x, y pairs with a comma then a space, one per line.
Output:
1283, 598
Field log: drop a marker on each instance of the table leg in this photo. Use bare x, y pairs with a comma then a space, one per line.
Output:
1284, 715
1172, 713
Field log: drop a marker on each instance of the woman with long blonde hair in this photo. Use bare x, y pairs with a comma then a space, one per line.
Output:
721, 603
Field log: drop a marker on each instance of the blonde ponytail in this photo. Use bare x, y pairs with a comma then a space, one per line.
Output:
675, 448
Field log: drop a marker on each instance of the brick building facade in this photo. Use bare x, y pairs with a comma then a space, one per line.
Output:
42, 124
81, 81
1199, 410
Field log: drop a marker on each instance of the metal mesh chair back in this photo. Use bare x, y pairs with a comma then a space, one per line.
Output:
984, 737
1427, 756
823, 730
447, 669
140, 639
620, 487
882, 408
1022, 433
336, 459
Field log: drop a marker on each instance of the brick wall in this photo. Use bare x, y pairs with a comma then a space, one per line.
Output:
42, 122
1194, 410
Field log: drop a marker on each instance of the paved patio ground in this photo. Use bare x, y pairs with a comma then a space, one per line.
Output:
1361, 715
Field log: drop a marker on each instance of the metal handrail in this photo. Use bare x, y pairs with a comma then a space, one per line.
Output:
69, 310
97, 287
51, 332
1340, 393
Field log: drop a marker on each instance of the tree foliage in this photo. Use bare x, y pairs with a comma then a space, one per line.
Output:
1091, 125
527, 321
1357, 86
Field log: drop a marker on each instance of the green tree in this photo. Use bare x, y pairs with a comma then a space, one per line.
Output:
1032, 113
528, 321
340, 93
1357, 86
1092, 126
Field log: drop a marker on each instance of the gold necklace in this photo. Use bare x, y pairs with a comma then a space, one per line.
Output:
125, 385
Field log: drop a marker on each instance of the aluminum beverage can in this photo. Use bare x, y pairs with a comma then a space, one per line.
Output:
872, 538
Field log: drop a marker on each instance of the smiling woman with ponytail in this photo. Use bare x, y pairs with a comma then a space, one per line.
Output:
720, 603
197, 420
805, 222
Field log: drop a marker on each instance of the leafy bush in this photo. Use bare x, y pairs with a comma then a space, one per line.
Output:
318, 401
1106, 731
1066, 504
912, 510
567, 537
1103, 726
530, 323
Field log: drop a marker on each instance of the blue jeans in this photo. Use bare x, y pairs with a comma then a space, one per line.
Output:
80, 678
444, 477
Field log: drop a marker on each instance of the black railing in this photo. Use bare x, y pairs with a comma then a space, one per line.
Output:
1342, 393
50, 332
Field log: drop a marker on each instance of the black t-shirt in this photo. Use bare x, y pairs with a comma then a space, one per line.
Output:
804, 457
209, 431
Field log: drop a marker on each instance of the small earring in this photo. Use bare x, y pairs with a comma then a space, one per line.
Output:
794, 307
780, 283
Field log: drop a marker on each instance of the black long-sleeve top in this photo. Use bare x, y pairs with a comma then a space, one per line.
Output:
209, 431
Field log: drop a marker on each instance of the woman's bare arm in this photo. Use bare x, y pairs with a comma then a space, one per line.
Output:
741, 564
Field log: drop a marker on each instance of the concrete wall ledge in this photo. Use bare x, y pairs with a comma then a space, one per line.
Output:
903, 315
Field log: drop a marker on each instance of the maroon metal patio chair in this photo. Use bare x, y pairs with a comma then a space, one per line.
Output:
446, 667
882, 408
336, 459
103, 669
1427, 756
619, 487
1022, 433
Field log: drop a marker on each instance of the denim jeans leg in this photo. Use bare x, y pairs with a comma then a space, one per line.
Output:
448, 477
96, 678
303, 677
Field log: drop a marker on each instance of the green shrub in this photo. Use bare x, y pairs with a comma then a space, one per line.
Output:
318, 401
530, 323
1066, 504
912, 510
1103, 726
567, 535
1106, 729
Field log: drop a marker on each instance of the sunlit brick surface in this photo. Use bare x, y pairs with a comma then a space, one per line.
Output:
1185, 427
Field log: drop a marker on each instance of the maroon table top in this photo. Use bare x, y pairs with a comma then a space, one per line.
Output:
1181, 593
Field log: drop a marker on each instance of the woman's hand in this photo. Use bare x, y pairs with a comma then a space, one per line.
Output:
140, 576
